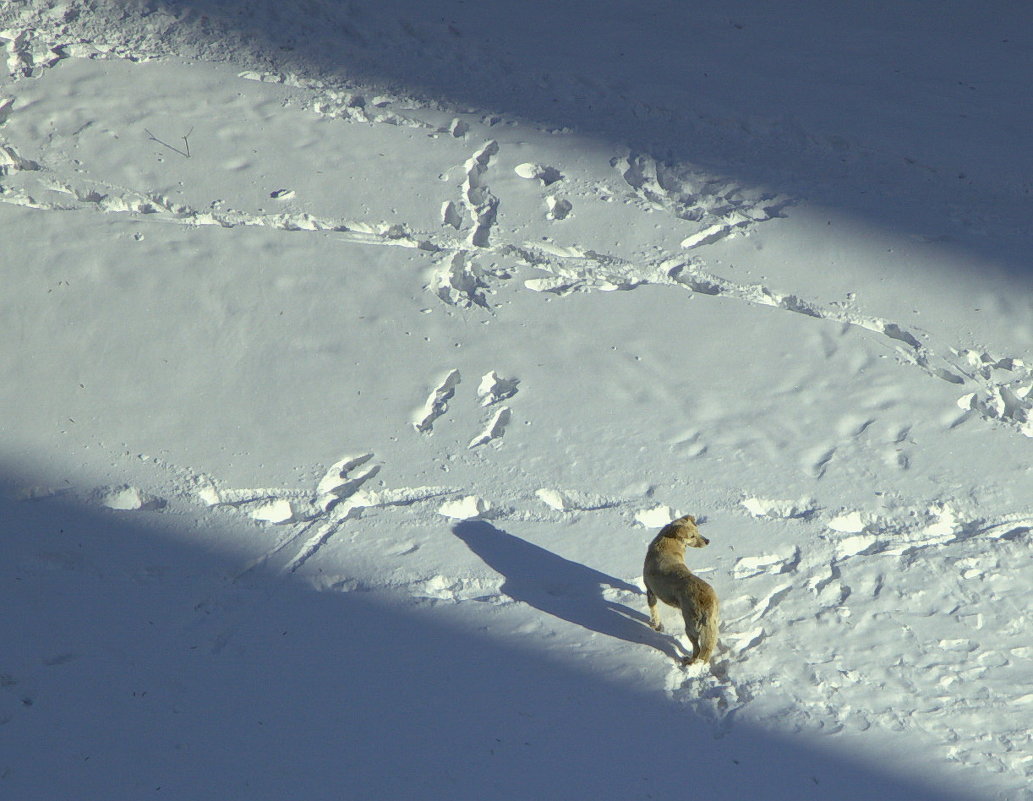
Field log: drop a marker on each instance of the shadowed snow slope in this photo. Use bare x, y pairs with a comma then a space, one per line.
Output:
135, 666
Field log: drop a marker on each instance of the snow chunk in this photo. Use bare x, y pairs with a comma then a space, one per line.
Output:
657, 517
764, 507
851, 546
466, 508
128, 498
849, 523
553, 498
708, 235
944, 522
209, 495
530, 171
968, 402
276, 511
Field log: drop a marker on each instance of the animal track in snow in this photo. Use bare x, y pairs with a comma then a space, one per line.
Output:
342, 490
559, 208
443, 588
983, 562
983, 574
910, 346
495, 428
574, 269
344, 478
436, 403
854, 533
1003, 391
459, 281
280, 506
717, 205
336, 102
1006, 389
816, 461
450, 215
750, 566
853, 426
493, 388
458, 129
338, 480
491, 391
47, 193
11, 162
481, 205
271, 505
328, 518
27, 53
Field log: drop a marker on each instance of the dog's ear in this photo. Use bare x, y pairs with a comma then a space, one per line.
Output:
691, 519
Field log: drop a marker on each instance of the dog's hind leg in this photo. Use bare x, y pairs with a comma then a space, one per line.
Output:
654, 613
692, 632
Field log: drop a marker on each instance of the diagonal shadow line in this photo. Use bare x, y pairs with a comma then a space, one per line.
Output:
560, 587
680, 83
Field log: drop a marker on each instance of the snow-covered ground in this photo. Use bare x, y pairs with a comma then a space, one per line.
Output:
352, 353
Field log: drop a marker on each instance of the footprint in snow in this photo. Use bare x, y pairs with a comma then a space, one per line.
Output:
493, 388
816, 461
495, 428
559, 208
436, 403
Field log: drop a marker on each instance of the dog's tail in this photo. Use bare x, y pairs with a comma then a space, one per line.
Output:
708, 622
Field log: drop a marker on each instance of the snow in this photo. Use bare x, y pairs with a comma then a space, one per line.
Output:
354, 352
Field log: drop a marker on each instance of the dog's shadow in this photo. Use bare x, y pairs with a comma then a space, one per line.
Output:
560, 587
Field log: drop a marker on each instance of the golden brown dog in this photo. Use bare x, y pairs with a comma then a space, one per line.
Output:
669, 580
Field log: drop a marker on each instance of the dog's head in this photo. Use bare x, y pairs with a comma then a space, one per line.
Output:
684, 529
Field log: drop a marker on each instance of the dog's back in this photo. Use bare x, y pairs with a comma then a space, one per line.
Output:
669, 580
